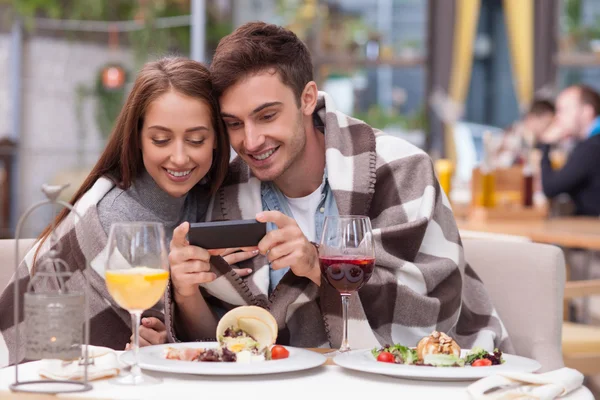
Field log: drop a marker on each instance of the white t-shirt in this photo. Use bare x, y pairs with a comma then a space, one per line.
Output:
304, 210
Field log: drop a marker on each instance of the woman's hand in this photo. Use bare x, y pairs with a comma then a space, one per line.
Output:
152, 331
190, 265
234, 256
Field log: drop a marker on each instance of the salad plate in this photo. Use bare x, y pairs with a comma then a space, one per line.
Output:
366, 361
153, 358
246, 346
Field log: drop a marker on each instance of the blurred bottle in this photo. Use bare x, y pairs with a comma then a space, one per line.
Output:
488, 180
527, 185
445, 169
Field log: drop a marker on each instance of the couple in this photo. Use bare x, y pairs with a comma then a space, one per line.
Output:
299, 161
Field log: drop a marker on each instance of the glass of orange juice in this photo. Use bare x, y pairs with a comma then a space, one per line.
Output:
136, 277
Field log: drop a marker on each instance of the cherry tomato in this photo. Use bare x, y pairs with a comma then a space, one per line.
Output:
482, 362
384, 356
279, 352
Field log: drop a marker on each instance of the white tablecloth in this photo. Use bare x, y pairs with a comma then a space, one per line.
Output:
327, 380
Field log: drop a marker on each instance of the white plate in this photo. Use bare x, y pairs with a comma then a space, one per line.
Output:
363, 360
152, 358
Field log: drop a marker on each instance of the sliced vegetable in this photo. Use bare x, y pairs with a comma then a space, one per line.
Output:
482, 362
401, 354
279, 352
478, 353
384, 356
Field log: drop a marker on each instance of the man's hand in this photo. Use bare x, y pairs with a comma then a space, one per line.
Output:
288, 247
553, 134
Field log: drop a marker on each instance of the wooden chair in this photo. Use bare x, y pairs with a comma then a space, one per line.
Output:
581, 343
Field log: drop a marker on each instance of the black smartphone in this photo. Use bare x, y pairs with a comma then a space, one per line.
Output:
227, 234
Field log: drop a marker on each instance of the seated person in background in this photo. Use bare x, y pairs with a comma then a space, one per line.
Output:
301, 160
577, 117
169, 124
521, 136
537, 120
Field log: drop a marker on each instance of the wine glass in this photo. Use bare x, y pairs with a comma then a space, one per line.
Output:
136, 277
347, 258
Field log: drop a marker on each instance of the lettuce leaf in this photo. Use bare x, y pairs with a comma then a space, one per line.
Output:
476, 353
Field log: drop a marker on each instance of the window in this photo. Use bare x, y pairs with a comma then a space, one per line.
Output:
368, 54
579, 43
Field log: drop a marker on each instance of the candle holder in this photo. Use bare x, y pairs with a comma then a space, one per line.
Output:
56, 320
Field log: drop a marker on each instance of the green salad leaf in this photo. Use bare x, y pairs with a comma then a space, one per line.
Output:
443, 360
476, 353
376, 351
406, 354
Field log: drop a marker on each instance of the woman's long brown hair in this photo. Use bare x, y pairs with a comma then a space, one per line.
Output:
121, 160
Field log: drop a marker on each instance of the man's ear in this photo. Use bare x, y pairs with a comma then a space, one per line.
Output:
588, 112
308, 99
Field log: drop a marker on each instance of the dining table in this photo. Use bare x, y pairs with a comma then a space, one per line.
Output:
580, 233
317, 383
567, 232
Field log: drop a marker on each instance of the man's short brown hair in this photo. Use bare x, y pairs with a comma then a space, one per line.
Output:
589, 97
540, 107
256, 47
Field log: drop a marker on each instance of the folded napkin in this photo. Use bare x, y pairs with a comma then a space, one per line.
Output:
104, 363
547, 386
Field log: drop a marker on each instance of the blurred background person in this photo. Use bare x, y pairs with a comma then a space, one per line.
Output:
520, 138
578, 119
538, 119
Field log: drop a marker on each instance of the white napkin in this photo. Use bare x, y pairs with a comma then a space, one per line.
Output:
105, 365
547, 386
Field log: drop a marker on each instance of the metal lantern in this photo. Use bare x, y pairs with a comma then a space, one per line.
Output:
56, 320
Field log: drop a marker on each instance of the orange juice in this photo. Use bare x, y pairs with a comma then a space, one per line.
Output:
137, 289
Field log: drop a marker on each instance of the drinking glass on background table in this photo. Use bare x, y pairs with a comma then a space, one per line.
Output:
347, 258
136, 277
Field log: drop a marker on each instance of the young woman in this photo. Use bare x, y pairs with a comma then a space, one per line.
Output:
167, 154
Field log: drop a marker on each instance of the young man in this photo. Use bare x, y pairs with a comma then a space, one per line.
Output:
578, 118
299, 161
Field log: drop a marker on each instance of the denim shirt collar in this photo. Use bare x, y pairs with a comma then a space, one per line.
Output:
274, 200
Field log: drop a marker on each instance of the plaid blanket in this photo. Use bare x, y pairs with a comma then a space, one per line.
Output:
420, 283
81, 241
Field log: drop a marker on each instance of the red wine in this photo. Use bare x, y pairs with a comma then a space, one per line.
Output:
346, 274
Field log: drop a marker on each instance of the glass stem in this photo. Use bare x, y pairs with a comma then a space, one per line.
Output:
345, 345
135, 326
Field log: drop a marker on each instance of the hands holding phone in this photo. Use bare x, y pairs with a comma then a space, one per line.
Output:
284, 247
190, 265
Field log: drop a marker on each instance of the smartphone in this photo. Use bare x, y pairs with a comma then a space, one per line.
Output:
227, 234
